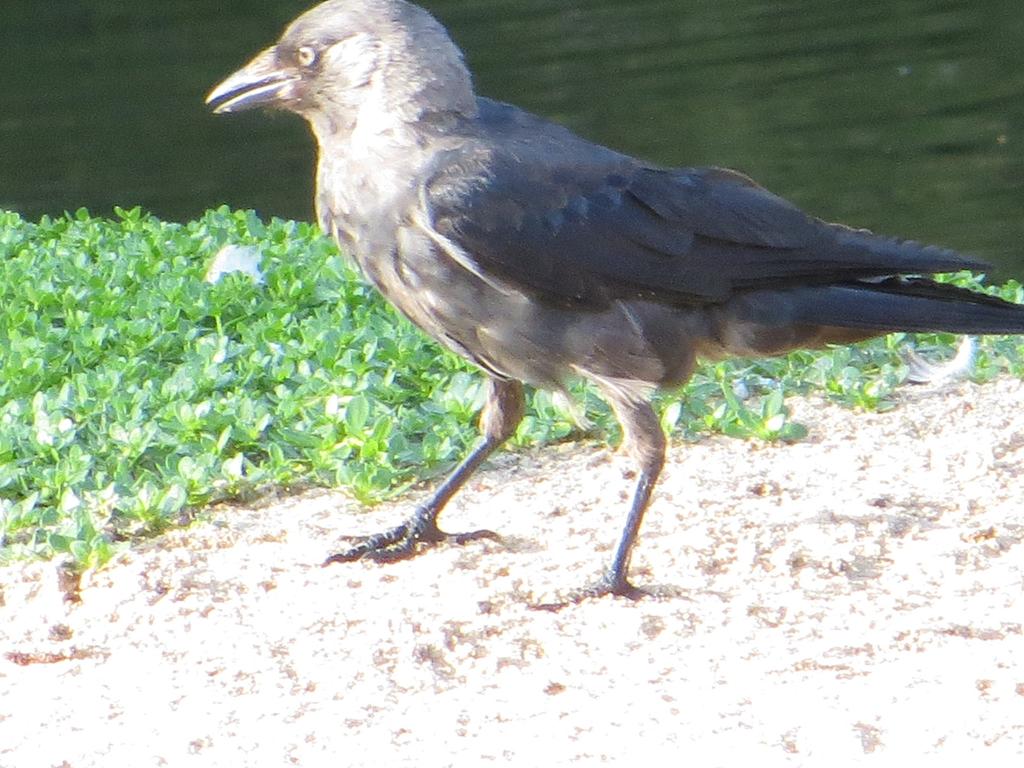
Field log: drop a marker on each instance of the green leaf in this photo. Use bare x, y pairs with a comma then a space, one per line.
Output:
357, 411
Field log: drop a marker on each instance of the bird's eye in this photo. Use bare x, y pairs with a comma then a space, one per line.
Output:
306, 56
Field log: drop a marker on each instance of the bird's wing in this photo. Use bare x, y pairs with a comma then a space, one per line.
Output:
591, 232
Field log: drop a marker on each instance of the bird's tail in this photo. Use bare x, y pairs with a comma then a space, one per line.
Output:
893, 304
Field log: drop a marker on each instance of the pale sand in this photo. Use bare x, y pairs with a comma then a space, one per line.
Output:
857, 597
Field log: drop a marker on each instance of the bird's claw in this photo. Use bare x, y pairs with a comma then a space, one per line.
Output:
404, 541
613, 584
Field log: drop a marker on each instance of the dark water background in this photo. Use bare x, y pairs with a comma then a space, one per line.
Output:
906, 116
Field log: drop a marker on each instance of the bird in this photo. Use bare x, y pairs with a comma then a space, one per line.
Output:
543, 258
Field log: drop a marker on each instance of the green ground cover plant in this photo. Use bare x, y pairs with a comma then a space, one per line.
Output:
133, 392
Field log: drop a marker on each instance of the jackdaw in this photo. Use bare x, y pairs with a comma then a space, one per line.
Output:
541, 257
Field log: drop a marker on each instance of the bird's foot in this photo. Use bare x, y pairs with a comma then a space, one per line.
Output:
409, 539
615, 584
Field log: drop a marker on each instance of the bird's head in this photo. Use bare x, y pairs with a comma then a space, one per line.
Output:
347, 60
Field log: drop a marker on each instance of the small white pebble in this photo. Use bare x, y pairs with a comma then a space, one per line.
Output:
235, 258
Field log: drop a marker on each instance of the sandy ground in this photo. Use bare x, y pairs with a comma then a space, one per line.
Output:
857, 597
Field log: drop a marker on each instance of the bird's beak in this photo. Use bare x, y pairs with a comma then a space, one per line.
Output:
258, 83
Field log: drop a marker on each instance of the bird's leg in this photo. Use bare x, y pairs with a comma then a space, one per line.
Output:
615, 581
644, 439
498, 421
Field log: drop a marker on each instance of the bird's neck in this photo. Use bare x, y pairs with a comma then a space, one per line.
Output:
364, 171
373, 154
379, 122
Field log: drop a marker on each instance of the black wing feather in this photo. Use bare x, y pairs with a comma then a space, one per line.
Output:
573, 222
